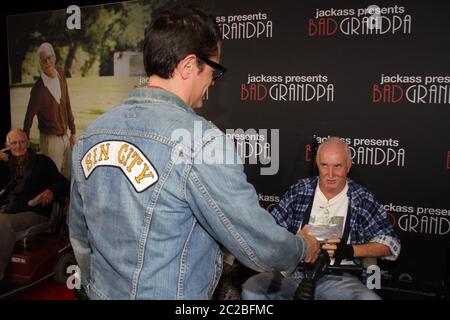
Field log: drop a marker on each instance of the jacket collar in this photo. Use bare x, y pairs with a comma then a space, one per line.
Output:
151, 95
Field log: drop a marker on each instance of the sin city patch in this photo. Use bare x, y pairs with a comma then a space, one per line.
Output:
126, 156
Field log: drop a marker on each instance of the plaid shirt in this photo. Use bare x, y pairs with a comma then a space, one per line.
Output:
368, 219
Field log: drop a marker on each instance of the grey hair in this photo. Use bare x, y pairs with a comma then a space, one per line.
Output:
336, 140
45, 47
16, 130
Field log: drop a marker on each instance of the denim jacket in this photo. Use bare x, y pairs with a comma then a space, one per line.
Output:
156, 190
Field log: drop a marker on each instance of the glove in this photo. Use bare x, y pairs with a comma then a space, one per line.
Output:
343, 251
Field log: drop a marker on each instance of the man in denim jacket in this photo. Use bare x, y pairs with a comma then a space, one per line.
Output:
157, 190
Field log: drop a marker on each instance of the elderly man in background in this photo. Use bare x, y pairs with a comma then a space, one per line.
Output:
49, 100
24, 176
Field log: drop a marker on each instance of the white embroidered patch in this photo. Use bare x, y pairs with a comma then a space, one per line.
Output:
126, 156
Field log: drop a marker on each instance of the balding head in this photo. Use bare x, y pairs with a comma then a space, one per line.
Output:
334, 162
335, 142
15, 132
17, 142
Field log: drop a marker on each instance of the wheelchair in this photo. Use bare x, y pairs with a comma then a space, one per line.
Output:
42, 251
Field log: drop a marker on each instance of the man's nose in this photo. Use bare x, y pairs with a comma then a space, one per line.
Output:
330, 171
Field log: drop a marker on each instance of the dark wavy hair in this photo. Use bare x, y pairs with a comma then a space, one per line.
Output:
175, 33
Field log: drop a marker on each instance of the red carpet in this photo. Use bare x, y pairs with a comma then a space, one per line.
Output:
49, 290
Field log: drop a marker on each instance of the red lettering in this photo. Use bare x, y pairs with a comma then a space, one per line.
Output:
390, 93
312, 28
376, 93
262, 92
448, 160
397, 93
308, 153
254, 92
244, 92
322, 27
392, 218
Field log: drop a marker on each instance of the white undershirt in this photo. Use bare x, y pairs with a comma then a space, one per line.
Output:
328, 216
53, 85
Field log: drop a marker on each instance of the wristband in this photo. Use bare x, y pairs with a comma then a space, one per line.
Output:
343, 251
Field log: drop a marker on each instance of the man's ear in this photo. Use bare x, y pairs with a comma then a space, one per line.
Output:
349, 165
186, 66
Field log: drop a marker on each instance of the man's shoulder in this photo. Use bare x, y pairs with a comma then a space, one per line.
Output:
303, 186
41, 158
39, 84
357, 187
360, 193
305, 183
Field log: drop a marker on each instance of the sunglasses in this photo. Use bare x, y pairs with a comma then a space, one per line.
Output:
219, 69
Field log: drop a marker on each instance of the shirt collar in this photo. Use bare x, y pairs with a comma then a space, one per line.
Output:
48, 79
335, 198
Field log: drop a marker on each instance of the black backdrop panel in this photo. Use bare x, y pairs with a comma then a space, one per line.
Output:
387, 93
299, 69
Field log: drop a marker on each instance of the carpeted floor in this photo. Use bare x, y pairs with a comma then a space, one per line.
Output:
48, 290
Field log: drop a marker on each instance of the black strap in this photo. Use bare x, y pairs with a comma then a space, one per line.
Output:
346, 232
307, 214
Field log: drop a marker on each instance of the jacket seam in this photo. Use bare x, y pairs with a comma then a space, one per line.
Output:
182, 269
147, 223
217, 272
98, 291
239, 239
133, 133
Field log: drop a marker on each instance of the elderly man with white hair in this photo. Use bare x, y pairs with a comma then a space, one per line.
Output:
49, 100
24, 176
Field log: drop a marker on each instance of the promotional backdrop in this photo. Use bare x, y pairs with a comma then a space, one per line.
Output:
375, 74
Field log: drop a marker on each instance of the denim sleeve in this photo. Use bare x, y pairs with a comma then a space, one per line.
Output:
227, 206
78, 231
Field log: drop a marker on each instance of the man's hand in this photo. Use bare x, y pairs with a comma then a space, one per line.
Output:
3, 155
331, 245
72, 139
338, 250
312, 245
46, 197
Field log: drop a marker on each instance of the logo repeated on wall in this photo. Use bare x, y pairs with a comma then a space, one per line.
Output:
370, 151
304, 88
431, 89
245, 26
258, 147
372, 20
268, 201
423, 220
